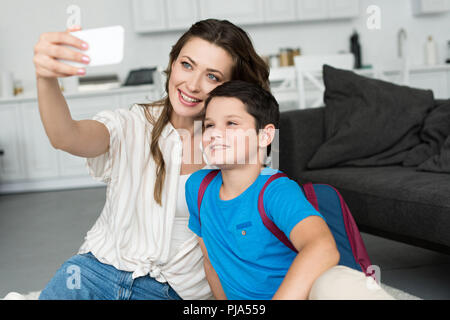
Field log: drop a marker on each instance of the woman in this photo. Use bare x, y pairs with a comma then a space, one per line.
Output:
140, 247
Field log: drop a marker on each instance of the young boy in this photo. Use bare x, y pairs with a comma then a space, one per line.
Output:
242, 258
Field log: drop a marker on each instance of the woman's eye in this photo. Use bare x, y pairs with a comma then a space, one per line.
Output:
208, 126
186, 65
231, 123
213, 77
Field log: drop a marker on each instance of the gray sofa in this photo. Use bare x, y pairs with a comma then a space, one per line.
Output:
385, 147
392, 201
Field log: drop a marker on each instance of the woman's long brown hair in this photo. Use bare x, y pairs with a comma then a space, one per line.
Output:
247, 66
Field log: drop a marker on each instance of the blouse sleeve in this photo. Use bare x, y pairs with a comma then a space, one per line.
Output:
101, 167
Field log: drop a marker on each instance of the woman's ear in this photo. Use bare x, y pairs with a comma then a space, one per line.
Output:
266, 135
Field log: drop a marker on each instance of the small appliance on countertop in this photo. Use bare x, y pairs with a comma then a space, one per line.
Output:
140, 77
98, 82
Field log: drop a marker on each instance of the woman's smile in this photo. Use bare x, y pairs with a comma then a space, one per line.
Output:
187, 100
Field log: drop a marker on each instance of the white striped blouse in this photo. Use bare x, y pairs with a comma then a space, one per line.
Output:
133, 233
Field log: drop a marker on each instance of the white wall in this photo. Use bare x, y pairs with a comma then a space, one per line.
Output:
22, 21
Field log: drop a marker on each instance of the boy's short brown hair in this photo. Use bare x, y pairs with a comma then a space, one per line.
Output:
259, 103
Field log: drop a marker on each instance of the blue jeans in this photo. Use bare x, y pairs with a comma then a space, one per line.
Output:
83, 277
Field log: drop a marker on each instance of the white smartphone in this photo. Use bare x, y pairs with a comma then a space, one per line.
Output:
105, 46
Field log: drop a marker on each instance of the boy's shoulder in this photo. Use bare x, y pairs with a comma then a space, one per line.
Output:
196, 178
284, 185
268, 172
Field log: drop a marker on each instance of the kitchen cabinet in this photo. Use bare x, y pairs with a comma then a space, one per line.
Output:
343, 8
128, 99
161, 15
237, 11
280, 11
170, 15
181, 14
326, 9
421, 7
312, 9
149, 15
30, 163
435, 78
436, 81
11, 164
41, 159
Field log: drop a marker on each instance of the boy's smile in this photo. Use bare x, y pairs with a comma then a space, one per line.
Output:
230, 135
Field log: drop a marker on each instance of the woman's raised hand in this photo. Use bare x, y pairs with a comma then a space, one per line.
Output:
50, 47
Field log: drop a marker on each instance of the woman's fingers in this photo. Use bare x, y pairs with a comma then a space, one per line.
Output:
49, 64
59, 45
61, 52
73, 29
61, 67
64, 38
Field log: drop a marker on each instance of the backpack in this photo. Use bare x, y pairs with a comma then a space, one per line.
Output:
326, 200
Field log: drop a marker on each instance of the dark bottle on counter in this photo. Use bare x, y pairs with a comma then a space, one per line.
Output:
448, 54
355, 48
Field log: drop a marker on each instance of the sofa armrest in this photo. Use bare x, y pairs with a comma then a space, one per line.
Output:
301, 134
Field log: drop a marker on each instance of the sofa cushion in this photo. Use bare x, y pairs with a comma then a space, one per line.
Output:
435, 130
369, 122
300, 135
395, 199
439, 162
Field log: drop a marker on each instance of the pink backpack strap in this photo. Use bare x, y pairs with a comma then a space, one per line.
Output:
311, 195
203, 185
265, 219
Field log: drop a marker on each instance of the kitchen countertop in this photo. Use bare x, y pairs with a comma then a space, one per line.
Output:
419, 68
33, 95
128, 89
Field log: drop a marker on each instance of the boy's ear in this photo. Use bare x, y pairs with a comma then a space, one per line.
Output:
266, 135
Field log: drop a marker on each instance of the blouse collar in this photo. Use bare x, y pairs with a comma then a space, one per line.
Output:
168, 129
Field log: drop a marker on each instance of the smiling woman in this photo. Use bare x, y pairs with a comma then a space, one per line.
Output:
141, 243
209, 53
193, 78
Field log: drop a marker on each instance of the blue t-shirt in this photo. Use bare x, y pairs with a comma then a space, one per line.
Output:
250, 261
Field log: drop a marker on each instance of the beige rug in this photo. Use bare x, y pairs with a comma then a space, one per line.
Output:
396, 293
399, 294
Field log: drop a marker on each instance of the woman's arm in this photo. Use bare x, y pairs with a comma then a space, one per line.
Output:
211, 275
86, 138
317, 253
